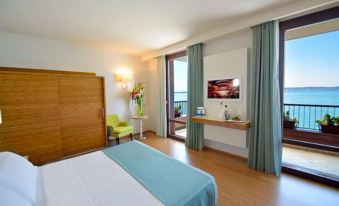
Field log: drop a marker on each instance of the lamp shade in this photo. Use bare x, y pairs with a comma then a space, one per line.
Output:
0, 118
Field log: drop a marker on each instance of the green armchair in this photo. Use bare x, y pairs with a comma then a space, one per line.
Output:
117, 129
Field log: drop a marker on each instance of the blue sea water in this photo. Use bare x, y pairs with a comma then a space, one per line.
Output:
317, 96
328, 97
180, 96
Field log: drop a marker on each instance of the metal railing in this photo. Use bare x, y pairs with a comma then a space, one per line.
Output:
307, 114
183, 105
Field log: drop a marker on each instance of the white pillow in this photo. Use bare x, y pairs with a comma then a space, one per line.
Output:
9, 198
18, 175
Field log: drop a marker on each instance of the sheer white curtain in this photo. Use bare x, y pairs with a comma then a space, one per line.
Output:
160, 90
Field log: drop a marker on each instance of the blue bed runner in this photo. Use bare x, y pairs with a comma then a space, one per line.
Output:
171, 181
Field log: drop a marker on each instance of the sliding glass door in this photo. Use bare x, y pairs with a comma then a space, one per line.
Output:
310, 70
177, 95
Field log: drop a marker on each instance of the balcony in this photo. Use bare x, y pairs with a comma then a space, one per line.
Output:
307, 114
177, 126
306, 148
182, 105
307, 130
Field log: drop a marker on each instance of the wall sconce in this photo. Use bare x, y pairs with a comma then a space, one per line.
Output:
0, 118
123, 79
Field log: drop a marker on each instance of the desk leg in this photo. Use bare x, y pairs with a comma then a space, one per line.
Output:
141, 135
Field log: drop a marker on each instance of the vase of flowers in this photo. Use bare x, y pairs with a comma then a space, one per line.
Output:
137, 97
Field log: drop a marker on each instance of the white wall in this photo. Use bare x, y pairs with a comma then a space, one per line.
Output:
231, 64
30, 52
152, 66
224, 57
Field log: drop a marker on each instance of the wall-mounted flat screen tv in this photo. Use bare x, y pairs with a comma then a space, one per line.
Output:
224, 89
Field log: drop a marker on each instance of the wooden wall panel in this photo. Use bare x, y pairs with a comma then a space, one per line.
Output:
51, 115
30, 114
81, 101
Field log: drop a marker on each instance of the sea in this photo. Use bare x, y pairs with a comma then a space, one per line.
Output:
323, 100
298, 95
312, 95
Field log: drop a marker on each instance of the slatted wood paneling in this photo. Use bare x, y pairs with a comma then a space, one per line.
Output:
81, 101
50, 115
30, 111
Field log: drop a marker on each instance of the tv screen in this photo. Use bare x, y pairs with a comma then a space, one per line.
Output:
224, 89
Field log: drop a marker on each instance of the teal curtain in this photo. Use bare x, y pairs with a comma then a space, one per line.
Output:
265, 142
195, 97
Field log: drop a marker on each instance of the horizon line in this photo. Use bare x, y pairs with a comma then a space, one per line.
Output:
311, 87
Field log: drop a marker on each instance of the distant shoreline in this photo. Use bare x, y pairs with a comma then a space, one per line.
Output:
336, 87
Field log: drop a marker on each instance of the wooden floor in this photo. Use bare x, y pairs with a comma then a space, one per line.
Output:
239, 185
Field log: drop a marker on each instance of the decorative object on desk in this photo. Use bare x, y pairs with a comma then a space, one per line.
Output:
224, 114
228, 89
201, 111
236, 118
288, 121
329, 124
137, 96
177, 111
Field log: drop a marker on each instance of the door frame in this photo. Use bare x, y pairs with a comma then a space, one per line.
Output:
169, 85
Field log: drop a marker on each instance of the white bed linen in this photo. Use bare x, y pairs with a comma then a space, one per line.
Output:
92, 179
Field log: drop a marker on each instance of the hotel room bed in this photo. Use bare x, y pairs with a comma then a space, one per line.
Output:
129, 174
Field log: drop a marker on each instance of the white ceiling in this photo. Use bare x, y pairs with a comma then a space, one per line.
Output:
130, 26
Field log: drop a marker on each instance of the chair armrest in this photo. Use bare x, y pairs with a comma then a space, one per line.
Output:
109, 131
124, 123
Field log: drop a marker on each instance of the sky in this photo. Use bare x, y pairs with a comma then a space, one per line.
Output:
180, 76
312, 61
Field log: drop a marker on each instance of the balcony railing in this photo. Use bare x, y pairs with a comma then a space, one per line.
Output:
307, 114
183, 105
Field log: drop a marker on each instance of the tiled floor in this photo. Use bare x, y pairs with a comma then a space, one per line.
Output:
323, 163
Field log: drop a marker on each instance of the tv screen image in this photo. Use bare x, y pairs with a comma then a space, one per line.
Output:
223, 89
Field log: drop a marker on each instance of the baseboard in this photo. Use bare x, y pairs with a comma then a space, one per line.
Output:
235, 151
146, 131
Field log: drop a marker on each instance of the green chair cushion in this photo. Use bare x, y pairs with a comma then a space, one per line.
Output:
113, 120
117, 128
121, 124
122, 129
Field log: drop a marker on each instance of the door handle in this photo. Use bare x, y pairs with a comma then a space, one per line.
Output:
103, 113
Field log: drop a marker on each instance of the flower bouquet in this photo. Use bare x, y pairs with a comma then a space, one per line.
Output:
137, 95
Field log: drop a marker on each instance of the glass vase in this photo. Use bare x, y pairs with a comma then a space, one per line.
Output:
140, 110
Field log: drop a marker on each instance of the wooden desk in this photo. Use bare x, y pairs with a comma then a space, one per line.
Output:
241, 125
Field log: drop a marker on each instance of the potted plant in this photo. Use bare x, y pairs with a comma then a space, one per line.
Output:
288, 121
177, 111
329, 124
